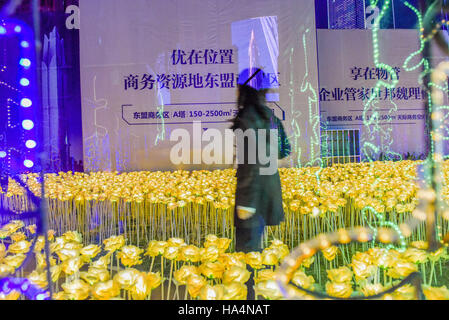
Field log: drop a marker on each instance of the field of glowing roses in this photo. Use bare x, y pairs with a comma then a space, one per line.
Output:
169, 235
173, 269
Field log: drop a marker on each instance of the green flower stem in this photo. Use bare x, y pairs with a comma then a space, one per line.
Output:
169, 280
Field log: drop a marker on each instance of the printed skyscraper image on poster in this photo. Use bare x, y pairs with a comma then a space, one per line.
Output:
177, 63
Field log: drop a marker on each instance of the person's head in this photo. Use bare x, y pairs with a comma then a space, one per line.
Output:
252, 87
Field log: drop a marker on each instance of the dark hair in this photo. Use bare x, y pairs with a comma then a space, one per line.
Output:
251, 98
252, 93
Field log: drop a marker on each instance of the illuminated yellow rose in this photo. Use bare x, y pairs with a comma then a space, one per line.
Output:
340, 275
22, 246
95, 275
66, 254
38, 279
282, 251
308, 262
264, 275
370, 256
140, 290
362, 270
372, 289
90, 251
235, 291
339, 289
437, 255
406, 292
105, 290
126, 278
61, 296
270, 257
182, 274
72, 265
212, 270
130, 256
13, 226
268, 289
194, 284
381, 257
171, 253
40, 244
57, 245
50, 234
18, 236
6, 270
14, 261
76, 290
301, 279
2, 251
414, 255
276, 243
236, 274
4, 233
189, 253
401, 268
31, 228
72, 246
73, 236
424, 245
330, 253
237, 259
209, 254
113, 243
223, 244
41, 261
153, 280
55, 272
209, 292
156, 248
101, 263
175, 242
254, 259
13, 295
433, 293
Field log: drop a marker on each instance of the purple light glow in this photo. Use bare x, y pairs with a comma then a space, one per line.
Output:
24, 287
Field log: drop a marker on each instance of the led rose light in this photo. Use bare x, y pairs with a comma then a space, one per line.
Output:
24, 62
27, 124
26, 103
24, 82
30, 144
28, 163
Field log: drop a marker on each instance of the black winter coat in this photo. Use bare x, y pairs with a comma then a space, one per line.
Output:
262, 192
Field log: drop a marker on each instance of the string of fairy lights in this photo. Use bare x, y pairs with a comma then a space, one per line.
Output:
23, 97
26, 144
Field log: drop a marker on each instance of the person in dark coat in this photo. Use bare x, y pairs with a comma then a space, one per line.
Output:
258, 198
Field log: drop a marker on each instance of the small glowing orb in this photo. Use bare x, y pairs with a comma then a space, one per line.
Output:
41, 296
30, 144
28, 163
24, 62
25, 102
27, 124
24, 82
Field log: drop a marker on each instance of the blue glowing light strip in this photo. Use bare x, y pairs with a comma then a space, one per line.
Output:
26, 81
